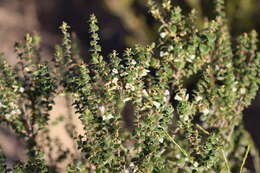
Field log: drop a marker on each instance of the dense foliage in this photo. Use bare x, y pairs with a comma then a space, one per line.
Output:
172, 106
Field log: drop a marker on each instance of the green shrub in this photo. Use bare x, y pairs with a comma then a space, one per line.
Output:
172, 106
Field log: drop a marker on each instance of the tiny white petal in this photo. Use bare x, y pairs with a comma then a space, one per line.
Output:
115, 80
21, 90
242, 90
186, 98
220, 78
162, 53
178, 156
12, 104
124, 74
166, 95
129, 86
195, 164
8, 116
170, 48
156, 104
1, 105
107, 117
229, 65
18, 111
145, 93
144, 72
102, 109
186, 118
13, 112
177, 97
126, 99
198, 98
133, 62
132, 164
192, 57
205, 111
26, 69
161, 140
162, 34
115, 71
110, 116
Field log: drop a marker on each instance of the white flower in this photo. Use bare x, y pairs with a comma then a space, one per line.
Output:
102, 109
1, 105
18, 111
170, 48
186, 117
177, 97
129, 86
205, 111
124, 74
198, 98
133, 62
115, 80
182, 96
242, 90
108, 117
156, 104
234, 89
162, 34
15, 88
126, 99
14, 112
7, 116
163, 53
166, 95
229, 65
144, 72
220, 78
12, 104
21, 89
195, 164
186, 97
115, 71
192, 57
144, 92
161, 140
26, 69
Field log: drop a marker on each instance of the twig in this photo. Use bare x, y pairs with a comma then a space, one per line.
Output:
171, 138
226, 161
202, 129
244, 160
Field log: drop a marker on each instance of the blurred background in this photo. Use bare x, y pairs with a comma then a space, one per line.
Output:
123, 23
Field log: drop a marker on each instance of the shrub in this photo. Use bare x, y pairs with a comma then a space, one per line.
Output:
171, 106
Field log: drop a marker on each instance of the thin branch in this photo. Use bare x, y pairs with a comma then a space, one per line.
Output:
244, 160
171, 138
226, 161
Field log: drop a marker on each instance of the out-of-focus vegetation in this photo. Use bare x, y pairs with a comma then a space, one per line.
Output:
242, 14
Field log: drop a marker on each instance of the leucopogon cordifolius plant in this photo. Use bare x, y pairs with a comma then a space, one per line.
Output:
172, 106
